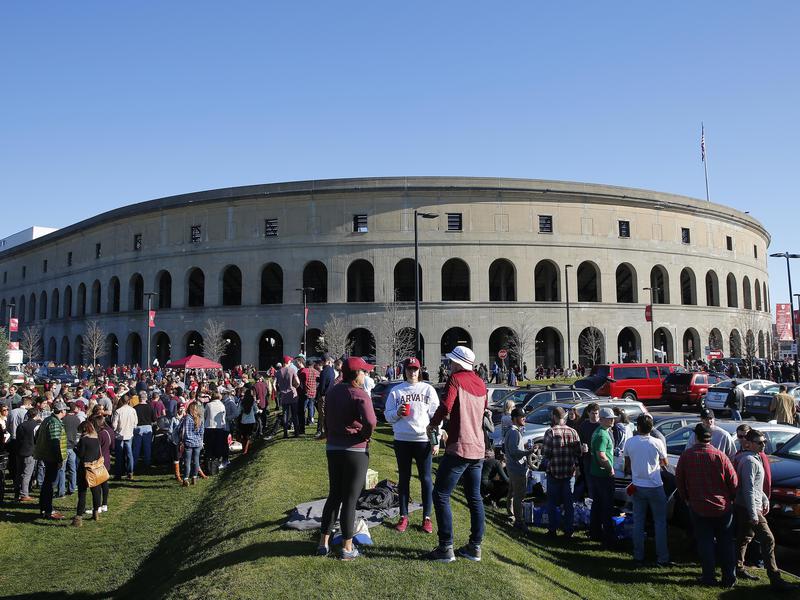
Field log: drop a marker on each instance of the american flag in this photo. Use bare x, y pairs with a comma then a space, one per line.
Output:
702, 143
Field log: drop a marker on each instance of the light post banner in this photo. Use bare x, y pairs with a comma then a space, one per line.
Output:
13, 324
152, 318
783, 321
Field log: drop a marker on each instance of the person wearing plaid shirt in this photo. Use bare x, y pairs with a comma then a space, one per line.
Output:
706, 481
308, 391
561, 451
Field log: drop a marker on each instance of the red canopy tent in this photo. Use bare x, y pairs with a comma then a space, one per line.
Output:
193, 362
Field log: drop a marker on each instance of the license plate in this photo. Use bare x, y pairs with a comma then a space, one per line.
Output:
672, 389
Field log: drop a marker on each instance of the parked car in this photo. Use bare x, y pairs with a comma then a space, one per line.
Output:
532, 397
17, 377
379, 394
784, 515
757, 405
776, 435
666, 423
60, 374
717, 395
687, 388
497, 393
635, 381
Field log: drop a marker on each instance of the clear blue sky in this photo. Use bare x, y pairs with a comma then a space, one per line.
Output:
109, 103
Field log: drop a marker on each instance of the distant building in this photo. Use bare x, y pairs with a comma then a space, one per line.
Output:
26, 235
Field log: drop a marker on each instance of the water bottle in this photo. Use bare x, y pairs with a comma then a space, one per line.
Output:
433, 437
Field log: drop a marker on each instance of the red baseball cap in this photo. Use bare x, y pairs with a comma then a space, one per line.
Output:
412, 363
356, 363
287, 359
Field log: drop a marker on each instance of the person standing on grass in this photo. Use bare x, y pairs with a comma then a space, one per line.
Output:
590, 421
464, 402
349, 422
51, 449
645, 455
325, 384
287, 383
561, 450
517, 467
409, 408
24, 444
601, 472
105, 436
86, 450
706, 482
123, 422
192, 429
247, 420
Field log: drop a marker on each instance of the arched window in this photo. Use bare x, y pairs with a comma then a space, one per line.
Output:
164, 286
758, 294
692, 350
162, 348
112, 350
64, 347
688, 287
113, 295
588, 282
360, 281
545, 282
270, 349
591, 347
196, 288
233, 350
455, 336
32, 307
78, 357
735, 344
404, 280
193, 343
715, 339
96, 298
133, 349
54, 306
747, 292
136, 293
626, 284
629, 345
766, 300
42, 305
232, 286
659, 283
502, 281
455, 281
712, 289
362, 343
662, 346
52, 350
315, 275
314, 344
733, 296
272, 285
761, 346
81, 300
501, 339
549, 344
67, 309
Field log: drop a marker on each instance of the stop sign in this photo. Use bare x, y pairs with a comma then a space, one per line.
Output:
502, 354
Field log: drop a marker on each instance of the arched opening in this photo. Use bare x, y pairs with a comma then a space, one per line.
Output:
766, 300
32, 307
162, 348
406, 349
67, 303
96, 307
64, 357
112, 350
232, 286
501, 339
113, 295
81, 307
51, 350
662, 346
233, 350
314, 344
712, 289
42, 305
548, 344
761, 345
54, 305
3, 312
21, 309
133, 349
692, 349
360, 282
404, 281
164, 286
758, 294
77, 352
733, 296
270, 349
629, 346
193, 343
362, 343
626, 284
735, 341
455, 336
747, 293
659, 283
272, 285
315, 275
455, 281
545, 282
588, 282
591, 347
715, 339
196, 289
136, 293
688, 287
502, 281
750, 347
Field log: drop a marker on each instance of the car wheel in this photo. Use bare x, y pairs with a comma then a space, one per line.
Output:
629, 395
535, 458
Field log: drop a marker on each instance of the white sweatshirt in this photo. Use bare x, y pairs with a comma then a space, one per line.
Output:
424, 402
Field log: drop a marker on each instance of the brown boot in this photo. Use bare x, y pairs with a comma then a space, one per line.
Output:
202, 475
178, 473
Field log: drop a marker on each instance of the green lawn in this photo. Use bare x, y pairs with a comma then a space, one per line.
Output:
223, 539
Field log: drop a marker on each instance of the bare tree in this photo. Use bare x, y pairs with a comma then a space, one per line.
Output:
94, 342
521, 340
335, 332
214, 345
396, 331
30, 342
591, 344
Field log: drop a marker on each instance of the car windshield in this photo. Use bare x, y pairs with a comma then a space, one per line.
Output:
770, 391
541, 416
725, 384
57, 371
517, 396
600, 371
791, 449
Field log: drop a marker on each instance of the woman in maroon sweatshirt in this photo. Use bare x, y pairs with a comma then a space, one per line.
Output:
349, 421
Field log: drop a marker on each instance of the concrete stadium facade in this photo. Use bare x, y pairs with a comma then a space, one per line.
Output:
502, 257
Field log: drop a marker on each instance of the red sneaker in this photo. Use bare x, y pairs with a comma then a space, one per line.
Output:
427, 526
402, 525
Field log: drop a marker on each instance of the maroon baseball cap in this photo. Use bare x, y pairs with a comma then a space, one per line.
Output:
287, 359
356, 363
412, 363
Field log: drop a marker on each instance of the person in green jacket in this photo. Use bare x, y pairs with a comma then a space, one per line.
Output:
51, 448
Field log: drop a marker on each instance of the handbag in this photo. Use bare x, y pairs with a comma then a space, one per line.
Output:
96, 472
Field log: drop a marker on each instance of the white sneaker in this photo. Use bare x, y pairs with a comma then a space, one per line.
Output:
88, 511
104, 508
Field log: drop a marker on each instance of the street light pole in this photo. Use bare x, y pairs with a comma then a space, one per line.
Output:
787, 256
149, 308
569, 337
652, 320
305, 291
424, 215
11, 307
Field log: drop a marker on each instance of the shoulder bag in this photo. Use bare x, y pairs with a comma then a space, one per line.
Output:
96, 472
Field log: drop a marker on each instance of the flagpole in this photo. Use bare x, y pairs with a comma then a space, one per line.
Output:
704, 156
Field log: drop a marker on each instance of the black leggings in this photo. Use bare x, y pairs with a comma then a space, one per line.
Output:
82, 487
104, 493
346, 474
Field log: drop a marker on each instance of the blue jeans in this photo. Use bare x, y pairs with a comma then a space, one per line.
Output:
735, 415
407, 453
656, 500
123, 457
559, 491
451, 468
191, 462
71, 474
142, 443
309, 410
601, 524
706, 530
